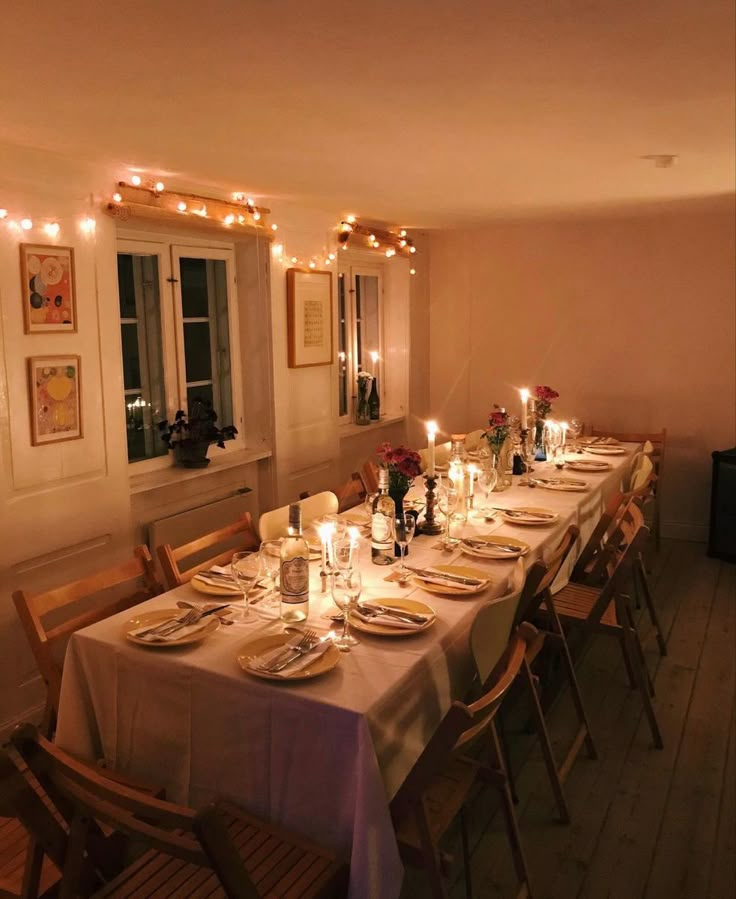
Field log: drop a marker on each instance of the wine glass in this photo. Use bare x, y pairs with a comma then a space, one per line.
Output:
558, 457
576, 430
343, 551
270, 563
447, 500
530, 452
488, 478
346, 587
244, 568
404, 526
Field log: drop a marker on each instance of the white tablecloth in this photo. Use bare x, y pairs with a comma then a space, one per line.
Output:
324, 756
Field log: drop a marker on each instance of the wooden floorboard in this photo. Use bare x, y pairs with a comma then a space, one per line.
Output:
647, 823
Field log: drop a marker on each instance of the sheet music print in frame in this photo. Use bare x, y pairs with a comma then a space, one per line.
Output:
309, 317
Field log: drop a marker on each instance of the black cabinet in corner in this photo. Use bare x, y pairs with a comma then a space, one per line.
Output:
722, 537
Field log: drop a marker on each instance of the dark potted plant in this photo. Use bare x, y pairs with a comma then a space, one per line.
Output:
189, 436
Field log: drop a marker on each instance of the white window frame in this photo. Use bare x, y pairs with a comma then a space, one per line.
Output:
348, 270
169, 248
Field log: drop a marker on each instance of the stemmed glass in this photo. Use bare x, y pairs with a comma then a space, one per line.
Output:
576, 430
447, 500
244, 568
342, 553
488, 478
404, 526
530, 451
270, 563
346, 587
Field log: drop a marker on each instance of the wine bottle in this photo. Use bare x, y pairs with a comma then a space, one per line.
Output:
382, 523
374, 401
294, 570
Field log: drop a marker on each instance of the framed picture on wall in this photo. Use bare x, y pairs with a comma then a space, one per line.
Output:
54, 384
309, 317
48, 290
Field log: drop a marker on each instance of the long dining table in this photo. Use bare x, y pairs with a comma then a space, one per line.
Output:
322, 756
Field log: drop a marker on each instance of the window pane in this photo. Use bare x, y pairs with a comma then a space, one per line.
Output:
203, 393
367, 295
194, 288
197, 351
342, 338
145, 401
126, 288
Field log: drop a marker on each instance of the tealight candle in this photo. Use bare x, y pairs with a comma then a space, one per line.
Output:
431, 434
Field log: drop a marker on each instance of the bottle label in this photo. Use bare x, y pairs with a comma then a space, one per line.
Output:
294, 579
381, 535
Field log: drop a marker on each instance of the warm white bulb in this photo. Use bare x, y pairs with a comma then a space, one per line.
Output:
135, 180
412, 271
238, 198
202, 212
117, 198
412, 249
313, 264
274, 227
229, 219
159, 185
241, 219
181, 206
3, 213
277, 249
294, 259
26, 224
371, 237
402, 233
331, 256
376, 245
256, 216
87, 225
402, 242
52, 229
350, 219
327, 261
249, 202
374, 356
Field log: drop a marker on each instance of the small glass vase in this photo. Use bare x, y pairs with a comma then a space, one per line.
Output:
362, 407
540, 455
502, 465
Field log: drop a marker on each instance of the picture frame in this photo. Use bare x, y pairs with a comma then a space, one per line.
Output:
55, 397
48, 288
309, 317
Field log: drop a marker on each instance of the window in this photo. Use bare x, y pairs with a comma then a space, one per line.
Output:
360, 301
177, 323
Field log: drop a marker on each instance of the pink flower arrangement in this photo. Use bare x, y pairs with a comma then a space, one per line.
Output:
499, 427
403, 464
544, 396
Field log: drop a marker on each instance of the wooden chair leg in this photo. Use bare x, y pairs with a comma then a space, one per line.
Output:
430, 853
639, 650
640, 577
628, 640
546, 746
467, 870
32, 869
577, 696
507, 805
506, 755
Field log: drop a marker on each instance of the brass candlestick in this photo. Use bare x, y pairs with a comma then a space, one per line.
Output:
430, 526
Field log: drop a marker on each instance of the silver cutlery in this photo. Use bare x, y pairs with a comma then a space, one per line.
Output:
374, 609
293, 650
517, 513
484, 544
166, 628
183, 604
441, 575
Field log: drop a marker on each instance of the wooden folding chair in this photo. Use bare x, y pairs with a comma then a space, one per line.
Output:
48, 643
220, 851
535, 595
275, 524
369, 475
240, 535
607, 610
654, 446
436, 788
489, 635
352, 493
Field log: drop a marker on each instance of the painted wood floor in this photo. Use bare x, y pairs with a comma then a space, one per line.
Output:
646, 823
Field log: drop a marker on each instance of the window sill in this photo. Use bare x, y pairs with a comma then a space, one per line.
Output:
175, 474
352, 430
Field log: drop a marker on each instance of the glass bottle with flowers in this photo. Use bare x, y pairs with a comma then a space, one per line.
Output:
498, 436
543, 397
362, 407
403, 466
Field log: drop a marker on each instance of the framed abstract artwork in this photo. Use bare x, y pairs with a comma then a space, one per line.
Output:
309, 317
55, 398
47, 284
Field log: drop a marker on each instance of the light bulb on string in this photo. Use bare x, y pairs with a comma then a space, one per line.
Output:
277, 249
181, 206
3, 213
135, 180
294, 259
229, 219
159, 187
350, 219
412, 249
52, 229
256, 216
274, 227
412, 271
313, 264
88, 225
26, 224
117, 198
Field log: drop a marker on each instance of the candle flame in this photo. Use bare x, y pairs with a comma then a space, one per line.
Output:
432, 428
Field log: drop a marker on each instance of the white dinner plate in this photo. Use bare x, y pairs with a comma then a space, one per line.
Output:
158, 616
401, 605
260, 645
594, 465
448, 589
570, 485
606, 450
529, 516
491, 541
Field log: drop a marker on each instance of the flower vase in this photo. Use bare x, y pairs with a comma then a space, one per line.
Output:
540, 455
398, 494
362, 406
500, 462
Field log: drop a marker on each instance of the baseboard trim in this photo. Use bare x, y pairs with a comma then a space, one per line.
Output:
685, 530
34, 715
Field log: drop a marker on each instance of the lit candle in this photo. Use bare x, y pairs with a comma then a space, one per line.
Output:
565, 428
374, 360
431, 434
324, 531
524, 408
472, 472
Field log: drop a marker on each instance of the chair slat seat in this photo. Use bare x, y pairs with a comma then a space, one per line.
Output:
14, 843
577, 601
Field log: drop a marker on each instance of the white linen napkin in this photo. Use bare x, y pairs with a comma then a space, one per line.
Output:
490, 553
391, 620
456, 585
177, 634
303, 661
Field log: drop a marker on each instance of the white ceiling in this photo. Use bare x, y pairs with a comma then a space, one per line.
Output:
421, 112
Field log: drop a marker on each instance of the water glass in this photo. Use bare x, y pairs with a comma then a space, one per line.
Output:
270, 564
447, 501
245, 567
488, 478
346, 588
404, 527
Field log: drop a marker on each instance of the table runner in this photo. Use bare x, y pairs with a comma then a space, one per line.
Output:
323, 757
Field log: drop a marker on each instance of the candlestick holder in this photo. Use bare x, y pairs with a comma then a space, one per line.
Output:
430, 526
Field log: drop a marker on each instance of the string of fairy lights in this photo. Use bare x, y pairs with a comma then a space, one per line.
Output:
143, 196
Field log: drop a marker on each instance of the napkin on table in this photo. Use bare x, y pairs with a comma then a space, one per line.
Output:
391, 620
303, 661
177, 634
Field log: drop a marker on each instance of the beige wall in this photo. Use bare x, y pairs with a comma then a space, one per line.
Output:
631, 319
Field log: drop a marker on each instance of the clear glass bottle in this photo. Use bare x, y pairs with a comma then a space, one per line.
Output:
294, 570
382, 523
457, 472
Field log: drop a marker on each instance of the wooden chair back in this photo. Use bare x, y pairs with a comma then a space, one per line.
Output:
656, 440
641, 476
352, 493
441, 455
171, 558
474, 439
491, 628
592, 565
463, 723
275, 524
50, 618
369, 475
541, 575
83, 796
